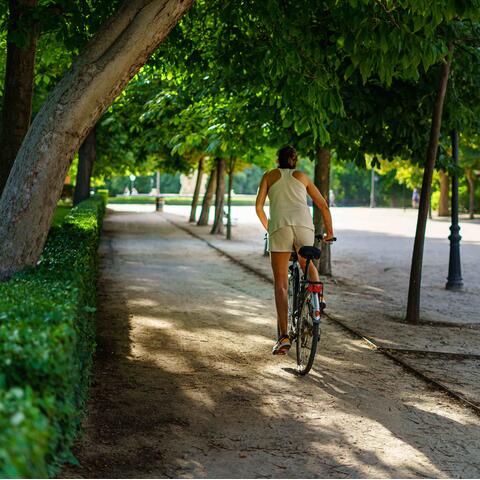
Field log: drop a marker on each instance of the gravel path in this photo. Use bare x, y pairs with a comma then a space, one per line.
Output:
185, 386
371, 268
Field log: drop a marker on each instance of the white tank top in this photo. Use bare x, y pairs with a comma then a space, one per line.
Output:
288, 202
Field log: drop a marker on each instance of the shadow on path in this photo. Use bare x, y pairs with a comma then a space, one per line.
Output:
184, 385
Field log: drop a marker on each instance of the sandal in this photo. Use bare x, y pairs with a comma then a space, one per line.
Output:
282, 346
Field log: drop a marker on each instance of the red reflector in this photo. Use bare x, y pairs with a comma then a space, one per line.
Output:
315, 287
317, 313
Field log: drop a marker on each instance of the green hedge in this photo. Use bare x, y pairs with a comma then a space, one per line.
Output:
47, 338
104, 193
25, 433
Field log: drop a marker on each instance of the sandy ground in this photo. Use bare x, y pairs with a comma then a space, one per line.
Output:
185, 386
374, 250
369, 294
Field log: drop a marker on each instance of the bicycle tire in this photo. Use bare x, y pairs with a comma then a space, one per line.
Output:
308, 334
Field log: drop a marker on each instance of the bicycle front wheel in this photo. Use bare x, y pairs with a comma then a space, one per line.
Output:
307, 337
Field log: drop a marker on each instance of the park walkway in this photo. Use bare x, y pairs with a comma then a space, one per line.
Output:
371, 265
184, 384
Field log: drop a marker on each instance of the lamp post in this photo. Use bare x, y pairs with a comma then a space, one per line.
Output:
454, 279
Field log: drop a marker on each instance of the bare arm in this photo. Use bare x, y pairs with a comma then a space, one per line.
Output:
260, 202
322, 205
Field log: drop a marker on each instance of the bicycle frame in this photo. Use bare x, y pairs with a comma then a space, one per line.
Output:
316, 288
306, 306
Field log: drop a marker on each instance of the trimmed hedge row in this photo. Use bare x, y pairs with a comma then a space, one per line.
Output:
47, 338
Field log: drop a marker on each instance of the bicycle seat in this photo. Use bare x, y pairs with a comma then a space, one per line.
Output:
313, 253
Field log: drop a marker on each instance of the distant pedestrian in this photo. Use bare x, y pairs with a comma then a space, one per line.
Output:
415, 198
331, 198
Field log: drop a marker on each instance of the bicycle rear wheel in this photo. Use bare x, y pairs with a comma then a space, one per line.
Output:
307, 337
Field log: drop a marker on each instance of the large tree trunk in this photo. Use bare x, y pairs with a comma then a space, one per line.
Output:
471, 192
103, 70
18, 90
413, 306
443, 205
231, 169
322, 181
196, 192
87, 155
207, 199
219, 197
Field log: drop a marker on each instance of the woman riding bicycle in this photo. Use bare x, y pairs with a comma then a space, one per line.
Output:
290, 227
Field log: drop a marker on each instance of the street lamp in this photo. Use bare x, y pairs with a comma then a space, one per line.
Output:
454, 280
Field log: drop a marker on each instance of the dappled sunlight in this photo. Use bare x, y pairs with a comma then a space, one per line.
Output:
375, 289
153, 322
246, 303
200, 397
332, 362
144, 302
199, 382
231, 311
422, 409
373, 267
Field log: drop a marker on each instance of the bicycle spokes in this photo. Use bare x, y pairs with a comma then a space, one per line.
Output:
307, 336
305, 306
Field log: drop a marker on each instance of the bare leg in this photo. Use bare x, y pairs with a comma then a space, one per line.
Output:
280, 276
312, 271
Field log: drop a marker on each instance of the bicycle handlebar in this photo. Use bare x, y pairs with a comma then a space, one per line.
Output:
321, 238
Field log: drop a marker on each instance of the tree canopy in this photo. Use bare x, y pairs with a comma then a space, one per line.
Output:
235, 80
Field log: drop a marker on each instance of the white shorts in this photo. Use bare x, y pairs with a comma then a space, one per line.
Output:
286, 238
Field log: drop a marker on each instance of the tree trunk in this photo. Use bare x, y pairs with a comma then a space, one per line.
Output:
196, 192
443, 205
322, 181
87, 155
18, 91
413, 306
207, 199
231, 169
100, 73
219, 197
471, 192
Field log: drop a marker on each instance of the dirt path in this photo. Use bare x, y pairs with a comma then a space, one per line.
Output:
185, 386
371, 304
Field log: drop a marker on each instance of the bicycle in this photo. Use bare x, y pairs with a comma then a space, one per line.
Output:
305, 308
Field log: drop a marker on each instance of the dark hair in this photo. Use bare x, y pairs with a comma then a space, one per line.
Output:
287, 157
